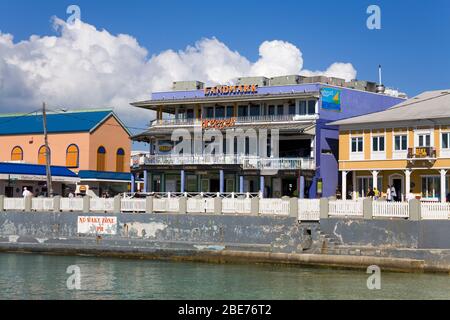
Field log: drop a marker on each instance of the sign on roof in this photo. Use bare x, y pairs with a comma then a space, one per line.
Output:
331, 99
231, 90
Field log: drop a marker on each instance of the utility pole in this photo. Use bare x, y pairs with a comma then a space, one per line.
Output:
47, 154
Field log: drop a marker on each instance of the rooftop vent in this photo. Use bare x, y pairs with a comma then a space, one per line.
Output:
187, 85
260, 81
286, 80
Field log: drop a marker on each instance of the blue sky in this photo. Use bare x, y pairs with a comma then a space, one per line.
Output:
413, 45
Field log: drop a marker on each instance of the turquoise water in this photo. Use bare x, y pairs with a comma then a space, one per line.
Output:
29, 276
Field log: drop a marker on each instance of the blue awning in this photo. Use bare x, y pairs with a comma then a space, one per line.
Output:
25, 172
91, 175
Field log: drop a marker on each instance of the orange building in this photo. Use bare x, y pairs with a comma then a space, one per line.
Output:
93, 143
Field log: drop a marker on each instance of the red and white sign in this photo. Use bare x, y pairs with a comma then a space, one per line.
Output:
97, 225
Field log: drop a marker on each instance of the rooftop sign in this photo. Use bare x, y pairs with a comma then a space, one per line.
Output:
231, 90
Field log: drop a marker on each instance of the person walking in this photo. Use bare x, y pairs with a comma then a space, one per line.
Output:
370, 194
393, 193
376, 193
388, 193
26, 192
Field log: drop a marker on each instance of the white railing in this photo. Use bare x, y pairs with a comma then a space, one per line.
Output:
388, 209
166, 204
246, 162
14, 204
200, 205
309, 209
133, 205
102, 204
42, 204
71, 204
346, 208
435, 211
236, 206
276, 207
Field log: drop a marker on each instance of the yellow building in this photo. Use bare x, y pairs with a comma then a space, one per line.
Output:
406, 146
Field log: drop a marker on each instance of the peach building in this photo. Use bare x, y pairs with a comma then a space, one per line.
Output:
92, 143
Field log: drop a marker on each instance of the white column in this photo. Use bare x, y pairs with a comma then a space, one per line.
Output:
443, 185
375, 179
408, 183
355, 189
344, 185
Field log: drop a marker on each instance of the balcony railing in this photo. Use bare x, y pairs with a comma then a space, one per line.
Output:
421, 153
239, 120
246, 162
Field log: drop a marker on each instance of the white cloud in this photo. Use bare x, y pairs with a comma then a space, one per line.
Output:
86, 67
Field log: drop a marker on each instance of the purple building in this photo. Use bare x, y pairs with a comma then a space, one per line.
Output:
275, 137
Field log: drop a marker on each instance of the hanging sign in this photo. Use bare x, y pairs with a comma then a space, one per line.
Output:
218, 124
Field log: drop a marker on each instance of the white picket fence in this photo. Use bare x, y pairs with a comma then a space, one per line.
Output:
133, 205
435, 211
14, 204
236, 206
42, 204
387, 209
71, 204
102, 204
346, 208
200, 205
309, 209
277, 207
166, 205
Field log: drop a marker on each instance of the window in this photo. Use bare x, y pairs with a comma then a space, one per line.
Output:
42, 155
311, 107
243, 111
72, 156
378, 144
220, 112
190, 114
292, 109
120, 160
446, 140
431, 187
101, 159
254, 110
280, 110
357, 144
230, 111
271, 110
400, 143
210, 112
424, 140
17, 154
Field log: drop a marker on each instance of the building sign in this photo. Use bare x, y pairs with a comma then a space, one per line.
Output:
165, 146
231, 90
331, 99
97, 225
218, 124
421, 152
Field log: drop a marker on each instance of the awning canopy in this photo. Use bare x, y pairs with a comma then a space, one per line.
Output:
104, 176
34, 172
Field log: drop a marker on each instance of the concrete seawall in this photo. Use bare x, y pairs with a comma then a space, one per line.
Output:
238, 239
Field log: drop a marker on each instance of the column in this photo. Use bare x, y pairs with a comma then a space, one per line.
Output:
375, 179
222, 181
145, 181
408, 183
354, 193
241, 184
301, 193
344, 185
133, 183
443, 185
261, 186
183, 176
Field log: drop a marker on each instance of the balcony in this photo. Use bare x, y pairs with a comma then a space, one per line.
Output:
246, 162
239, 120
421, 153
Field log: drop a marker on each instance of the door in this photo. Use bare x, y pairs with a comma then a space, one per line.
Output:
289, 187
214, 185
397, 183
9, 192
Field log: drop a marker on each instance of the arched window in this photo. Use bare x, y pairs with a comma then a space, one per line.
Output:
17, 154
42, 159
101, 159
120, 160
72, 156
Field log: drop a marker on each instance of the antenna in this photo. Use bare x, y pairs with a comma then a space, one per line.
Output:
380, 87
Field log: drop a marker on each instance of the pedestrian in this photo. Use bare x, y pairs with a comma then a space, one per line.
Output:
376, 194
26, 192
370, 194
393, 193
388, 193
